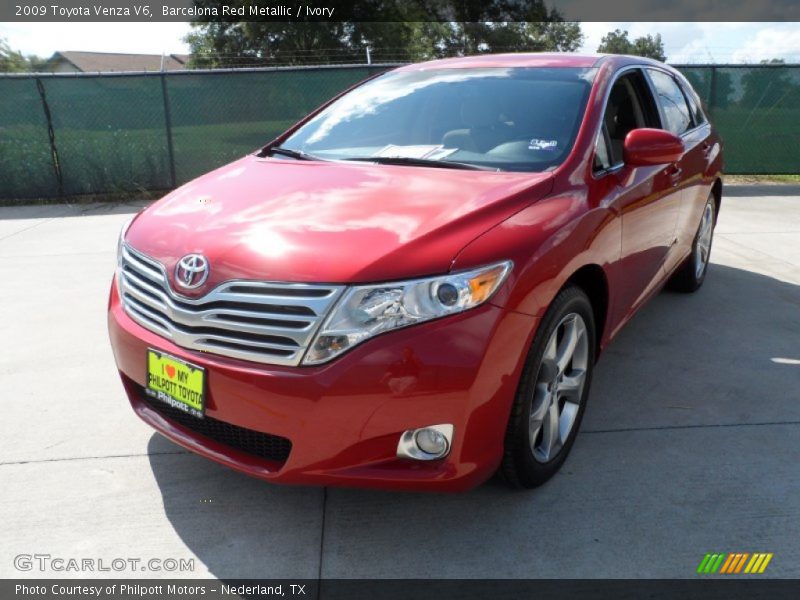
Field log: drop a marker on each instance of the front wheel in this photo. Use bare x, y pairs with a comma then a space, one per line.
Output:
552, 394
692, 273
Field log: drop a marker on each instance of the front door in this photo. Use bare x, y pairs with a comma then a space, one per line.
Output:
648, 198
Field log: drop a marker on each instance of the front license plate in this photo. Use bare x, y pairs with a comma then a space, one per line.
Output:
176, 382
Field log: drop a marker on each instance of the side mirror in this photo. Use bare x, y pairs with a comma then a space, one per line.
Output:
651, 147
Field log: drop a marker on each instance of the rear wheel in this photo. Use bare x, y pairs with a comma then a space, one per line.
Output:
552, 394
692, 273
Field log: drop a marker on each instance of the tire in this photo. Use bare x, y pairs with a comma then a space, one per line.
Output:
692, 273
536, 443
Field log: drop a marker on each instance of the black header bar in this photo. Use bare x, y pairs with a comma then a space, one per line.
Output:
395, 10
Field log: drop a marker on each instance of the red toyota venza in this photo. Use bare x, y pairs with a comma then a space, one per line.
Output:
410, 288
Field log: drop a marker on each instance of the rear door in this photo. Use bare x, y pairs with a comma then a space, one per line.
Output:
677, 117
702, 149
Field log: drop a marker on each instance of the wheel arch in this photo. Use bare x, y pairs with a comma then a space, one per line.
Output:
592, 279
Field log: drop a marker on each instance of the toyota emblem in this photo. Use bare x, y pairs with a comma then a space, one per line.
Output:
191, 271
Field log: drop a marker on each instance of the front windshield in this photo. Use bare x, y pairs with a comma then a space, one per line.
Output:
515, 119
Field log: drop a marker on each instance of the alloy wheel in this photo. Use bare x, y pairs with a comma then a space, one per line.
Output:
559, 387
702, 249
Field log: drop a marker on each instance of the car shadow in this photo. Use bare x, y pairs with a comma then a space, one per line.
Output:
691, 375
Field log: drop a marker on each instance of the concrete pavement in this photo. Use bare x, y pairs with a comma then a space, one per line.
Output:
690, 444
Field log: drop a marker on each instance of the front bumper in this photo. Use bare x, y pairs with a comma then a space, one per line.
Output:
344, 418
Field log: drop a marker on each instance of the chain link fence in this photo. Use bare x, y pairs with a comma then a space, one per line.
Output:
65, 135
756, 109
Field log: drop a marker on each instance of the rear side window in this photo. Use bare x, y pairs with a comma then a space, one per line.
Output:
672, 101
694, 105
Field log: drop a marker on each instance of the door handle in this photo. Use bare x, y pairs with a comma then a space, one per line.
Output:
706, 148
674, 172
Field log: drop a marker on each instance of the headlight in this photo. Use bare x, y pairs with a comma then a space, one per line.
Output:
120, 243
366, 311
121, 240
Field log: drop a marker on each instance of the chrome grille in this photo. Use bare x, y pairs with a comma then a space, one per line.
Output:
265, 322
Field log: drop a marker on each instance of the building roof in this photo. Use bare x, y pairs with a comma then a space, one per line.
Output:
110, 61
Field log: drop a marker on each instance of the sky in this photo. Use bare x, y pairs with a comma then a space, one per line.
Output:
684, 42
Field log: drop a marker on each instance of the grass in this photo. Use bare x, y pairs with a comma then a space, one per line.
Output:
744, 179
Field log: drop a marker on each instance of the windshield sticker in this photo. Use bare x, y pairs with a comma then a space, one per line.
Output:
440, 153
420, 151
548, 145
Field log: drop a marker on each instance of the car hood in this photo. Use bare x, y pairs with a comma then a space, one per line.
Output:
328, 222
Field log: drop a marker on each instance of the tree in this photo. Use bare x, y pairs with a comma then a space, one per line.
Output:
615, 42
37, 64
650, 46
248, 43
11, 61
393, 30
399, 41
556, 35
618, 42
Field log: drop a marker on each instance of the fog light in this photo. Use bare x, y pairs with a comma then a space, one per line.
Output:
431, 441
426, 443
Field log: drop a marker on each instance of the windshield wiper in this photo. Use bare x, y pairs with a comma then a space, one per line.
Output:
420, 162
296, 154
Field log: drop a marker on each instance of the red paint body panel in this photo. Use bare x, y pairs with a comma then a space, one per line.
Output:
646, 147
345, 418
283, 220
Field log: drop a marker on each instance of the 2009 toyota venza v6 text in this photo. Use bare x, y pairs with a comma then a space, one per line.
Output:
410, 288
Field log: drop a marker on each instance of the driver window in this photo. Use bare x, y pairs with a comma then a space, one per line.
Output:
630, 106
602, 160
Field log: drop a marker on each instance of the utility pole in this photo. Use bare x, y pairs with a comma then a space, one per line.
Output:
369, 58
